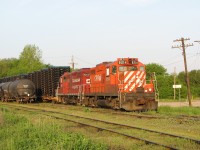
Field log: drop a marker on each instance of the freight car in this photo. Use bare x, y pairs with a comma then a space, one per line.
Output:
118, 85
46, 81
21, 90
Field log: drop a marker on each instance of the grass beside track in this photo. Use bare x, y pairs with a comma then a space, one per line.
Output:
97, 137
17, 132
164, 122
176, 111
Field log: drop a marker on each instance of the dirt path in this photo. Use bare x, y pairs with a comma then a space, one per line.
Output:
195, 103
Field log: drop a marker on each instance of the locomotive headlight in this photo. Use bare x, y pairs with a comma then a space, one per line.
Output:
150, 89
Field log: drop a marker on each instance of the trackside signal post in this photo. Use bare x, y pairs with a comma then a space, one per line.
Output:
183, 46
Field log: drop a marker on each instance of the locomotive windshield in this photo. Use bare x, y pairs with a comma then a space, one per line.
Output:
125, 68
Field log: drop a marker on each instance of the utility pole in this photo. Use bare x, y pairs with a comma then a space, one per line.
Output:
183, 46
72, 62
174, 83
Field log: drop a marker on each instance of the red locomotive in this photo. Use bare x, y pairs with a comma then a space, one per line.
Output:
119, 85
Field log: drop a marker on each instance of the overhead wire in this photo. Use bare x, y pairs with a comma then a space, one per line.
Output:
196, 62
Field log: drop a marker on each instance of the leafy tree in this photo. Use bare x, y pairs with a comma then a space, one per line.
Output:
157, 68
181, 77
163, 80
8, 67
164, 84
194, 77
30, 59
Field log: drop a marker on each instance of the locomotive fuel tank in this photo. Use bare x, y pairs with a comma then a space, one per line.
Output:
22, 88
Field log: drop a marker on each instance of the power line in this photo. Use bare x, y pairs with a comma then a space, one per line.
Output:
84, 61
197, 41
178, 61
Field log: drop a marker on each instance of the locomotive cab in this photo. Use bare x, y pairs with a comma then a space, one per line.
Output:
134, 93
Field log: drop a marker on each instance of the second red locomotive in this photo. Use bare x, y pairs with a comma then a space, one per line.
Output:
119, 85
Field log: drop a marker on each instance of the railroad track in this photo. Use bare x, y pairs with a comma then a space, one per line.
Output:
81, 118
196, 118
137, 115
110, 111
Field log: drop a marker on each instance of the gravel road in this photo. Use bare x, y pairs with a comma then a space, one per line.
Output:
195, 103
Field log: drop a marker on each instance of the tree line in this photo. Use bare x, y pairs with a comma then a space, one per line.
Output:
165, 82
30, 60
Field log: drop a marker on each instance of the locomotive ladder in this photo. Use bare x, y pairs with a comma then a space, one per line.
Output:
155, 86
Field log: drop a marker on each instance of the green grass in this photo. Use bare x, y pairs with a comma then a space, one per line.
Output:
177, 100
43, 133
172, 100
179, 110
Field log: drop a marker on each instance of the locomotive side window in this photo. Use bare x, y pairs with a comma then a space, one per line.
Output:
132, 68
114, 69
141, 68
122, 68
107, 72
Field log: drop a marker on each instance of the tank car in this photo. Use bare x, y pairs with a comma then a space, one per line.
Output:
21, 90
5, 91
1, 91
118, 85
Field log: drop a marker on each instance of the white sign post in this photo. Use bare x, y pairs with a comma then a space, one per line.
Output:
177, 87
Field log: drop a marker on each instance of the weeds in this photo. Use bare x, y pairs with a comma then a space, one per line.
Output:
18, 132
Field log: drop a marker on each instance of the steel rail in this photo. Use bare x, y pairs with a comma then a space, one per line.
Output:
100, 128
103, 111
123, 125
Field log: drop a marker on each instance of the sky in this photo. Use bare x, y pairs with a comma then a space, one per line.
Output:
94, 31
